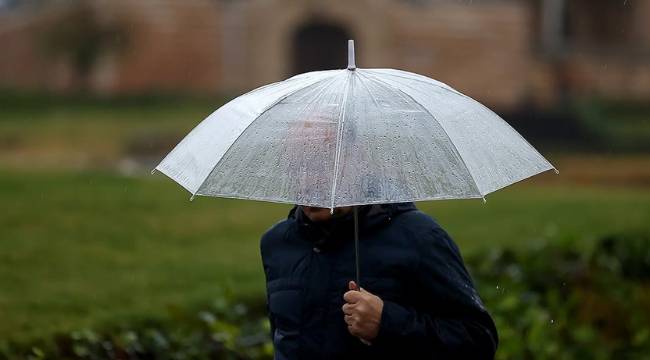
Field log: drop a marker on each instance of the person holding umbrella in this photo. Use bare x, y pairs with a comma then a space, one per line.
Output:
353, 149
417, 301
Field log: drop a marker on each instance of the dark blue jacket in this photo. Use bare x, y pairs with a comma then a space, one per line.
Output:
431, 309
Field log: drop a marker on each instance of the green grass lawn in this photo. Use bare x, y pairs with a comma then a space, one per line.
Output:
80, 134
84, 249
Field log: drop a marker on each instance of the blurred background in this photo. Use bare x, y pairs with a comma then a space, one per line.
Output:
100, 259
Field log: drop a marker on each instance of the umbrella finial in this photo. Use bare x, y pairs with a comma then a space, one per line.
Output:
351, 65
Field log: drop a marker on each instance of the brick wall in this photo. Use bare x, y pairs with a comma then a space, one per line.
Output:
482, 49
173, 46
487, 49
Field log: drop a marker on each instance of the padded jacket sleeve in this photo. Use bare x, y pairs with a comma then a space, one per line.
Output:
463, 330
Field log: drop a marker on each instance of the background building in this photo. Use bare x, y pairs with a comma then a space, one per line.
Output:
507, 53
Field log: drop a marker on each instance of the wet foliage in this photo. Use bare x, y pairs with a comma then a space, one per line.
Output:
549, 302
555, 302
226, 329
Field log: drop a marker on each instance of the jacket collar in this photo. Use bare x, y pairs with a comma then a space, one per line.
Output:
332, 233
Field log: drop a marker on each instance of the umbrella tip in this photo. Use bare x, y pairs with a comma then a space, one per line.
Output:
484, 200
192, 197
557, 172
351, 64
153, 171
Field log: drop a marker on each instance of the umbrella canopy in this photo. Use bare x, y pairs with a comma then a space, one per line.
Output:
350, 137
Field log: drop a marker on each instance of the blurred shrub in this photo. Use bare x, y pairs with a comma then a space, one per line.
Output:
227, 329
615, 126
549, 302
553, 302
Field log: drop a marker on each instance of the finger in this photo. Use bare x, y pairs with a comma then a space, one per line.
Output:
352, 296
348, 308
360, 309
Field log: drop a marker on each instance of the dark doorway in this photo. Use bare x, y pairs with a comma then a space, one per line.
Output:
319, 46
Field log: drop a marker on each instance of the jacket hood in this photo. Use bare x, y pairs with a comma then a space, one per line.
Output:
333, 232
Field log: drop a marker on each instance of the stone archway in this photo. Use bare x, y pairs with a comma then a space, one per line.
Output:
262, 38
319, 46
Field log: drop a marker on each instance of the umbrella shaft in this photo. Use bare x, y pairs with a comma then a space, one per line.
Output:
356, 245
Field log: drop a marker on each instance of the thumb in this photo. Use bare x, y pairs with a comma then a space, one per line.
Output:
353, 286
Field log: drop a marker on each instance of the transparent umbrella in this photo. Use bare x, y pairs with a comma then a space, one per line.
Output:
352, 137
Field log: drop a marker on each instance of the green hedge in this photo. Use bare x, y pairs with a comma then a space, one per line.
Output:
553, 302
549, 302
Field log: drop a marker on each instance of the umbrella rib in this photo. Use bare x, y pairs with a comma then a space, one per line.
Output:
456, 92
439, 123
514, 130
318, 82
446, 87
339, 135
374, 100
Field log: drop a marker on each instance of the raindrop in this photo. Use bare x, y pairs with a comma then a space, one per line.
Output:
552, 321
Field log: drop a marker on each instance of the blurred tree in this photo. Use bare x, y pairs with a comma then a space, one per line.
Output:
81, 38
